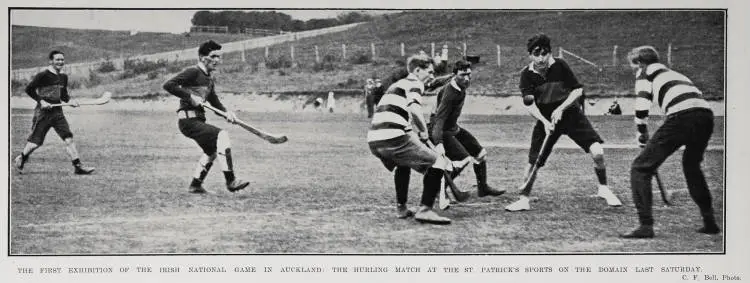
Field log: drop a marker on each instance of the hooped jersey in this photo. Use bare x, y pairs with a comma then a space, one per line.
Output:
671, 91
392, 117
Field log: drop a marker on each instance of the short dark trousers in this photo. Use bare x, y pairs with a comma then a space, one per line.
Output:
204, 134
573, 124
44, 120
461, 145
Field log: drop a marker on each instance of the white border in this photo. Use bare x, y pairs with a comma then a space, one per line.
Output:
735, 261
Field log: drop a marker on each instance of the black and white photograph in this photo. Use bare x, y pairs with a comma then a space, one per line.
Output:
439, 133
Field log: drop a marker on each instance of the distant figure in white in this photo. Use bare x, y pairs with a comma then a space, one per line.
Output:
331, 102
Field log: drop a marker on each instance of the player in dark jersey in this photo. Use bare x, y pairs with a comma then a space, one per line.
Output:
194, 86
689, 123
51, 87
551, 93
458, 143
393, 141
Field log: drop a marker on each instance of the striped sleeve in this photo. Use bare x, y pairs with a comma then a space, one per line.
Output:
644, 96
414, 95
643, 87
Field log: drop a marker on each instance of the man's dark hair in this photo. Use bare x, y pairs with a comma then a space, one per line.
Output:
461, 65
53, 53
207, 47
539, 41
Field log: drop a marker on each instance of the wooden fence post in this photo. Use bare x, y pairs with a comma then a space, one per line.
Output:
403, 52
317, 55
498, 55
372, 47
560, 53
291, 50
669, 54
266, 53
432, 49
343, 51
464, 48
243, 52
614, 56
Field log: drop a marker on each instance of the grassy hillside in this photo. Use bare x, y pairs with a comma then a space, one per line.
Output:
30, 45
697, 39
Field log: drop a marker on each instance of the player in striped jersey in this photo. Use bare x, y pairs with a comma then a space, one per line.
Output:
392, 139
689, 122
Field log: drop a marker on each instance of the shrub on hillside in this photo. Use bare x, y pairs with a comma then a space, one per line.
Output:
324, 67
127, 74
361, 58
94, 79
143, 66
153, 75
106, 67
281, 61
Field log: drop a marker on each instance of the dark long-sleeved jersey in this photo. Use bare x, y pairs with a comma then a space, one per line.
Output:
450, 102
51, 87
193, 81
549, 89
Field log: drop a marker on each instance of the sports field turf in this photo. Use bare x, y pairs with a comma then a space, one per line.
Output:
323, 192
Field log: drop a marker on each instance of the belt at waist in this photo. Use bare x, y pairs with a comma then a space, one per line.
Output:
186, 114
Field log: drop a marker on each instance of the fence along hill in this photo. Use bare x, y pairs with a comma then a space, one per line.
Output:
697, 39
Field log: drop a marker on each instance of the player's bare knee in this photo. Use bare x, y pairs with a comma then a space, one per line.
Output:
69, 141
597, 153
222, 141
481, 156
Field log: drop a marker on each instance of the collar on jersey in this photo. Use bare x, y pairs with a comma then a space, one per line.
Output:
203, 68
52, 70
550, 61
650, 69
454, 84
412, 77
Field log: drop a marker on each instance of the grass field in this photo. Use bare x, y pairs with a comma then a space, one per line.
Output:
323, 192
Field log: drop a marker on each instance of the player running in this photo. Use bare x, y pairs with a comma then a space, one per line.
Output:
51, 87
689, 122
551, 93
194, 86
458, 143
392, 139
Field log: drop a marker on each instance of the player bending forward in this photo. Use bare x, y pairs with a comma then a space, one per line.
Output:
194, 86
458, 143
689, 122
550, 92
392, 140
51, 87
